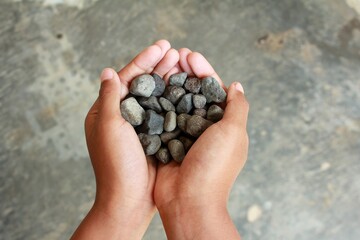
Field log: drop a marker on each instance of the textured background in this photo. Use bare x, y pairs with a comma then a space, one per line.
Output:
297, 59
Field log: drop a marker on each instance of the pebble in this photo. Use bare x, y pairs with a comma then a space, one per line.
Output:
132, 112
159, 85
174, 94
185, 105
178, 79
199, 101
150, 103
215, 113
167, 136
200, 112
170, 121
163, 155
193, 85
254, 213
187, 142
177, 150
212, 90
150, 143
143, 85
181, 121
153, 123
166, 104
196, 125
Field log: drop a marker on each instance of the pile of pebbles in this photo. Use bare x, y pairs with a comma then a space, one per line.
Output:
168, 119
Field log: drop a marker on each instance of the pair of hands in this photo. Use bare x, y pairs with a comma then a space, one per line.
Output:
191, 197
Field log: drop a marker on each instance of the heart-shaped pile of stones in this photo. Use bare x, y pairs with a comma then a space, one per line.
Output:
168, 119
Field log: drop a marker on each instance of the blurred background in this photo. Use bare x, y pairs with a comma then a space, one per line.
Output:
299, 62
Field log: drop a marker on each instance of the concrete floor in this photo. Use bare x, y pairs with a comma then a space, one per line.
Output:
298, 61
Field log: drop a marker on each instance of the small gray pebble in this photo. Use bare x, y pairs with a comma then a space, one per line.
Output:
212, 90
167, 136
159, 85
166, 104
163, 155
150, 103
178, 79
200, 112
153, 124
199, 101
196, 125
170, 121
185, 105
177, 150
215, 113
181, 121
187, 142
174, 94
150, 143
193, 85
143, 85
132, 111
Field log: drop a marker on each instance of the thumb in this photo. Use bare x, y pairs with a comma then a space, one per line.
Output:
109, 94
237, 107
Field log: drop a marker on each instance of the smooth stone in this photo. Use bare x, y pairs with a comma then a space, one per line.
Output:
185, 105
199, 101
167, 136
178, 79
150, 103
132, 112
187, 142
177, 150
143, 85
215, 113
150, 143
153, 123
166, 104
200, 112
212, 90
196, 125
170, 121
181, 121
163, 155
159, 85
193, 85
174, 94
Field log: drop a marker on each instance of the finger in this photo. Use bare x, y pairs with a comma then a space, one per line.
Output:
202, 68
109, 94
237, 107
164, 45
167, 63
172, 71
184, 53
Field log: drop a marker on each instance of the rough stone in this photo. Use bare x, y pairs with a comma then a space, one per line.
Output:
159, 85
178, 79
212, 90
143, 85
163, 155
193, 85
150, 103
177, 150
200, 112
196, 125
185, 105
150, 143
132, 111
174, 94
215, 113
170, 121
153, 123
167, 136
181, 121
166, 104
199, 101
187, 142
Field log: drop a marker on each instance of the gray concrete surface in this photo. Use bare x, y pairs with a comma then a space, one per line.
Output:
297, 59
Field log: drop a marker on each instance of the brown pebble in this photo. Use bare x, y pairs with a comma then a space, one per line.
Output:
196, 125
177, 150
163, 155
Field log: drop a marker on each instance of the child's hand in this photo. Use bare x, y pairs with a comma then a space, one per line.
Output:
124, 204
192, 197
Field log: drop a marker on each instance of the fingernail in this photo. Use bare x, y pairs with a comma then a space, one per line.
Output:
239, 87
106, 74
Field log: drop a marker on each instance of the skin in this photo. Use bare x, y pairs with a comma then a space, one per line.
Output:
191, 197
